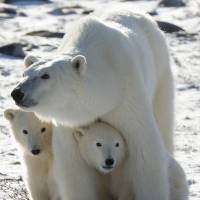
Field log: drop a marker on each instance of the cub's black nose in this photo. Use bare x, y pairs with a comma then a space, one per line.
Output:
17, 95
35, 151
109, 162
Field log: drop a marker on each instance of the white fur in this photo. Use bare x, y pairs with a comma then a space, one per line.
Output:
95, 156
112, 146
127, 82
38, 173
68, 157
178, 185
113, 179
177, 181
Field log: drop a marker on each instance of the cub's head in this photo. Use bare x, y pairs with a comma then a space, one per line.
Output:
65, 88
32, 135
101, 146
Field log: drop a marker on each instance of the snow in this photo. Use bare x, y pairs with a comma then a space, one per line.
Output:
185, 54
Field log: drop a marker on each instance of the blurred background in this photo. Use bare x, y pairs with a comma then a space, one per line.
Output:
37, 27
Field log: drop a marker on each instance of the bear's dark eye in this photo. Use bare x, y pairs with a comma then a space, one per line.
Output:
43, 130
25, 132
117, 144
98, 144
45, 76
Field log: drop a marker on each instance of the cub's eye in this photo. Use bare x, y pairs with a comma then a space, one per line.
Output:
98, 144
43, 130
25, 132
45, 76
117, 144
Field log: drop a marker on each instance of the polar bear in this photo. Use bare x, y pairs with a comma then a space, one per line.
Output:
103, 148
33, 138
115, 67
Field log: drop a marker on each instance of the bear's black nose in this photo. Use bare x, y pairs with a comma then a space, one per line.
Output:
109, 161
35, 151
17, 95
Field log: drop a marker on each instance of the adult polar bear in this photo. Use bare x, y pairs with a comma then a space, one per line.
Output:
116, 68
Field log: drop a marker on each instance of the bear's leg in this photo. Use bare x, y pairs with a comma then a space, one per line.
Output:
125, 194
163, 102
76, 181
177, 180
120, 186
38, 190
36, 178
146, 167
164, 109
52, 185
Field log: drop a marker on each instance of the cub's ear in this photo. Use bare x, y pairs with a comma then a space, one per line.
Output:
29, 60
9, 114
78, 134
79, 63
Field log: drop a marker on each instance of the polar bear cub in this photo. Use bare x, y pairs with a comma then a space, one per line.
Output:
101, 146
33, 138
104, 148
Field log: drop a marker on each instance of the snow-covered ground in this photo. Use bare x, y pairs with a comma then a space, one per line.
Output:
185, 53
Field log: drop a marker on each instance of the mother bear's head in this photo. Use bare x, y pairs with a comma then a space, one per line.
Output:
67, 89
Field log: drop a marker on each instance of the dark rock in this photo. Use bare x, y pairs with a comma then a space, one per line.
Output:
21, 13
13, 49
62, 11
16, 163
189, 87
56, 11
191, 182
169, 27
87, 11
44, 33
188, 36
5, 72
1, 174
153, 13
8, 9
66, 10
76, 6
25, 1
172, 3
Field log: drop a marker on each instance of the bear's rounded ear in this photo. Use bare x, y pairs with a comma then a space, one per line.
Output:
29, 60
9, 114
78, 134
79, 63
